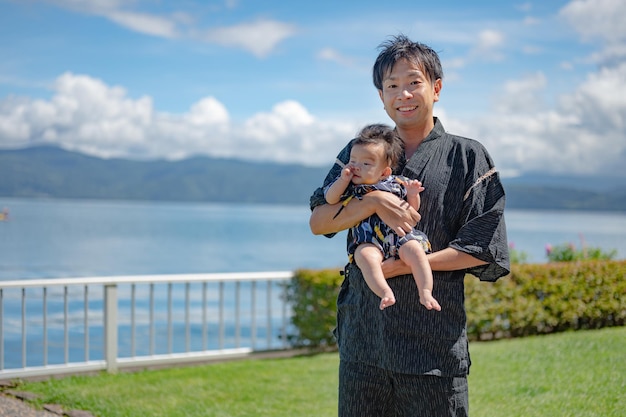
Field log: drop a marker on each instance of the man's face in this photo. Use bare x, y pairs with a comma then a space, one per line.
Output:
409, 95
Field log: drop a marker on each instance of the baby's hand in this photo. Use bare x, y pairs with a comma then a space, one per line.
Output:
347, 173
413, 186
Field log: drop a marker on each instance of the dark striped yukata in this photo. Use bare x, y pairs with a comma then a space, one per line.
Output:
406, 360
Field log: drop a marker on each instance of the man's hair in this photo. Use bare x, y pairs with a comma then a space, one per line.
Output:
401, 47
385, 135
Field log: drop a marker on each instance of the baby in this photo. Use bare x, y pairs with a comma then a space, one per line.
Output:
374, 153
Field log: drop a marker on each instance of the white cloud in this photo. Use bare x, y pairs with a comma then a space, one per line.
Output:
531, 21
603, 21
331, 54
259, 37
490, 39
518, 94
88, 116
487, 46
583, 134
144, 23
597, 18
206, 112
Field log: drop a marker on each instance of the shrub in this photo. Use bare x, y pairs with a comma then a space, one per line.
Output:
569, 253
313, 297
517, 256
547, 298
533, 299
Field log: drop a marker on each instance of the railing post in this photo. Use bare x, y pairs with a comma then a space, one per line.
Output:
110, 327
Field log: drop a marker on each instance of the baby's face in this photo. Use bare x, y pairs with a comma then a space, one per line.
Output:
368, 163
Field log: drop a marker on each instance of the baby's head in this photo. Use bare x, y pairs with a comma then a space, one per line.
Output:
376, 151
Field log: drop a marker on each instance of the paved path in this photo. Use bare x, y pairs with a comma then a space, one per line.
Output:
13, 407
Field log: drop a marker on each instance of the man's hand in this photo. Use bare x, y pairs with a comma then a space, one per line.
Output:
395, 212
394, 267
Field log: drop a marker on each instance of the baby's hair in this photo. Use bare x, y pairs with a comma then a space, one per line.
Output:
385, 135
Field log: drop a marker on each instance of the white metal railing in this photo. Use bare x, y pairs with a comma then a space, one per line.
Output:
56, 326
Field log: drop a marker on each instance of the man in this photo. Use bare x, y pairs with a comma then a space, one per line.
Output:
407, 360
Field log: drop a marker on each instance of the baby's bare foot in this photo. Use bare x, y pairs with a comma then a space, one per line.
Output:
387, 300
429, 302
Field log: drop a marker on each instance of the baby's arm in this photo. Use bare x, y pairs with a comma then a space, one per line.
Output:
413, 190
336, 190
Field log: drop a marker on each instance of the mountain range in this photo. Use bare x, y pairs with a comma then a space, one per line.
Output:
51, 172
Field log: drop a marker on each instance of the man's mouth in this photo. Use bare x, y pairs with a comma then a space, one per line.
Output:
407, 108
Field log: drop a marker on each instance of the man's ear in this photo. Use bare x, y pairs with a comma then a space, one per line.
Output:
437, 89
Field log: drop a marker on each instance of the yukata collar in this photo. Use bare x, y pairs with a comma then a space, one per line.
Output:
417, 162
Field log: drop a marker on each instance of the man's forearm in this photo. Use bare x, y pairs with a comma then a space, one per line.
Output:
323, 220
452, 260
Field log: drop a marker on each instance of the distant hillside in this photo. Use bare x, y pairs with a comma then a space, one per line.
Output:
55, 173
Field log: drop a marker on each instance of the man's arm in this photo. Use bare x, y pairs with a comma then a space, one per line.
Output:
448, 259
323, 220
395, 212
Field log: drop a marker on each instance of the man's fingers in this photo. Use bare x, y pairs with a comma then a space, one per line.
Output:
404, 229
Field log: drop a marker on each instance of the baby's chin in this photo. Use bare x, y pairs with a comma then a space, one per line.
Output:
361, 181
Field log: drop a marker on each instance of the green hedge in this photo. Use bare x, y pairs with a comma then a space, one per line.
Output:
547, 298
533, 299
313, 298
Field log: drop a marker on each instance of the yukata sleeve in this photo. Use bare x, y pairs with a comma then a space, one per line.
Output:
483, 232
317, 199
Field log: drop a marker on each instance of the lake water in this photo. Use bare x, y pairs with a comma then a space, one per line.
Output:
78, 238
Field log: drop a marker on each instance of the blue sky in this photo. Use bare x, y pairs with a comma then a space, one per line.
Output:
541, 83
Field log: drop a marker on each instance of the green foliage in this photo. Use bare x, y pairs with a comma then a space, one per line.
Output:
547, 298
569, 252
313, 297
533, 299
517, 256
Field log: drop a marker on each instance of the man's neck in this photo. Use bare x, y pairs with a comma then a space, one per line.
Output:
413, 137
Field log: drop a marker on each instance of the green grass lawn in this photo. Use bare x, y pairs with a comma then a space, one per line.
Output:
570, 374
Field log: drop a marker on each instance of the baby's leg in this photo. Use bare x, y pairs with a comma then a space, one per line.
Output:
412, 253
369, 259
